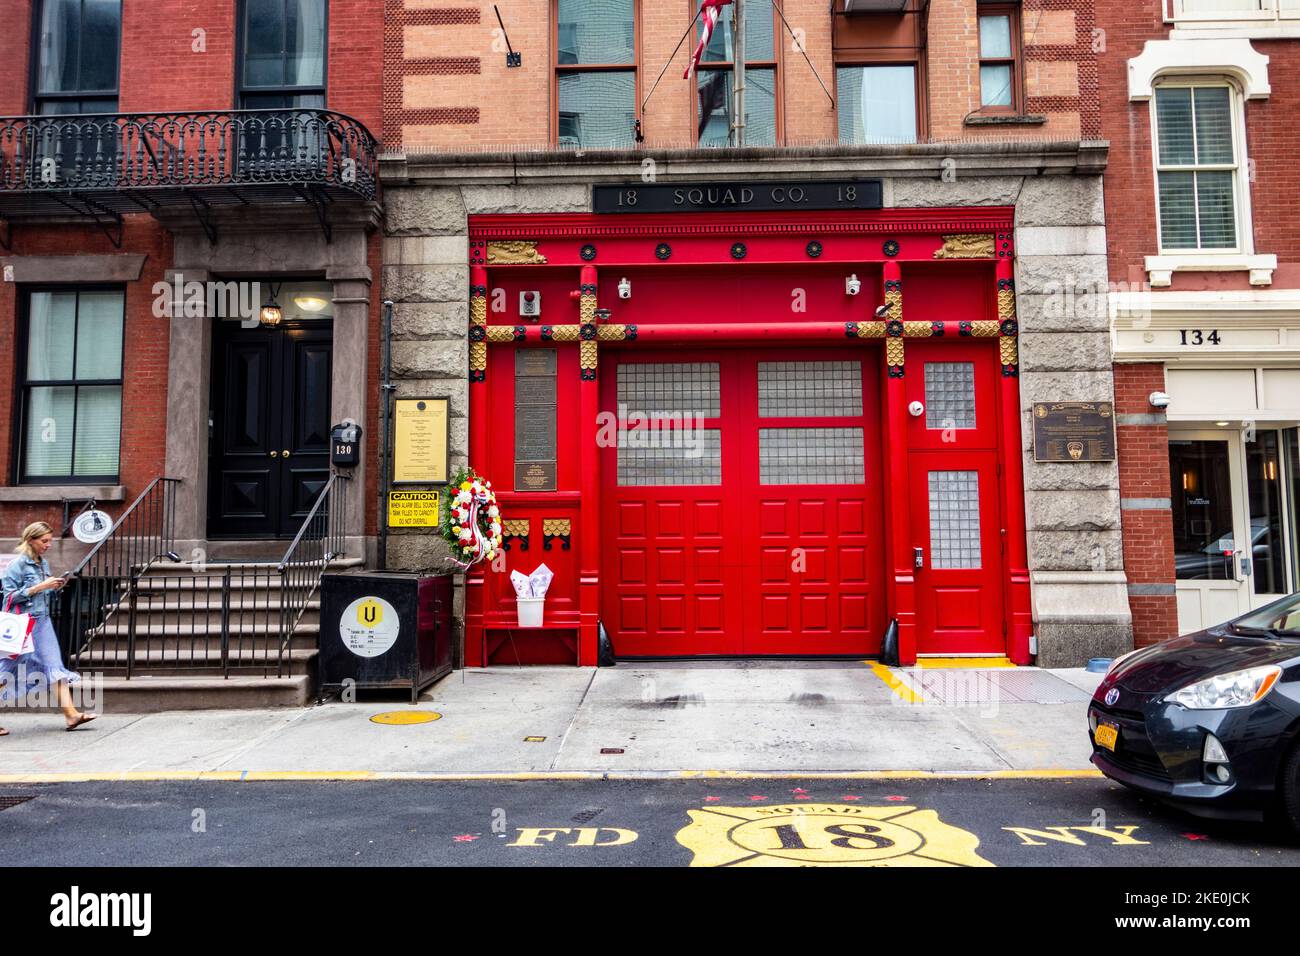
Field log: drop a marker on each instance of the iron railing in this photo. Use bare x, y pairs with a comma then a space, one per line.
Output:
122, 152
126, 612
98, 584
319, 541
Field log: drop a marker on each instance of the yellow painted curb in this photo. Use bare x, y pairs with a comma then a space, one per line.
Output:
958, 662
326, 776
893, 682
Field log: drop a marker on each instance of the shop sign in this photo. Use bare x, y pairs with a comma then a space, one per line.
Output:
1074, 431
732, 196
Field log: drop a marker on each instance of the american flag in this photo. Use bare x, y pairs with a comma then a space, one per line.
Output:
710, 11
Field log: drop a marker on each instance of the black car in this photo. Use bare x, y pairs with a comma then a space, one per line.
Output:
1209, 721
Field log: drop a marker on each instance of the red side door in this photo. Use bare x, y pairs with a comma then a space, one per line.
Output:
953, 491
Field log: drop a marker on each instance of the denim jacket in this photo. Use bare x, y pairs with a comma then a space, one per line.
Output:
21, 574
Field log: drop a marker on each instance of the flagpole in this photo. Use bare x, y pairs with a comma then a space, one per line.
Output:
738, 73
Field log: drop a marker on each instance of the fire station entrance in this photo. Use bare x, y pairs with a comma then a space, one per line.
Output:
742, 503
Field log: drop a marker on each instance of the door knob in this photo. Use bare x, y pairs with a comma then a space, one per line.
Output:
275, 454
285, 453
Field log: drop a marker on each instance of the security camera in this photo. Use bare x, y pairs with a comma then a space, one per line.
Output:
1159, 399
624, 288
852, 285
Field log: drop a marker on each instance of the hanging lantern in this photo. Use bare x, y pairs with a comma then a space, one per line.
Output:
271, 312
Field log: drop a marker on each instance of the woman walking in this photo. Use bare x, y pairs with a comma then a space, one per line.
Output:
27, 581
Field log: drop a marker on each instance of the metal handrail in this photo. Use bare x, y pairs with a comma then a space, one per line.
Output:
128, 151
319, 541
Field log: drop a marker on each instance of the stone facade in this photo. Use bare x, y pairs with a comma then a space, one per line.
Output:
1073, 511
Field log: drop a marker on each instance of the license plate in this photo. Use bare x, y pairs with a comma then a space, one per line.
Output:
1107, 735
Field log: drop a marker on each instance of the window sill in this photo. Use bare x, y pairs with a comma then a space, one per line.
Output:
29, 493
1244, 29
1005, 119
1161, 269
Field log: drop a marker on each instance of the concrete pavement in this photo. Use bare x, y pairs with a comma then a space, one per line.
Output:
661, 718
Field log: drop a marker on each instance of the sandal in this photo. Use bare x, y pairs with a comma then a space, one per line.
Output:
82, 719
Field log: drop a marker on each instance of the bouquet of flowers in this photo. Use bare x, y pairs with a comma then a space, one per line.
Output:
472, 523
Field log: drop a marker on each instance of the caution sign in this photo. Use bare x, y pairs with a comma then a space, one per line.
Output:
413, 509
826, 834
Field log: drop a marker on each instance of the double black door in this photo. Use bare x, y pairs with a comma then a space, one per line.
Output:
269, 433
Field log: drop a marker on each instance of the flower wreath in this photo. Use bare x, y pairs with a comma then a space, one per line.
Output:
472, 525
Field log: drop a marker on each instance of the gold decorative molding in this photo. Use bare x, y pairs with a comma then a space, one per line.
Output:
555, 527
565, 333
966, 246
985, 329
1006, 304
917, 330
508, 252
587, 309
1007, 349
611, 333
501, 333
587, 354
515, 528
894, 352
871, 330
894, 299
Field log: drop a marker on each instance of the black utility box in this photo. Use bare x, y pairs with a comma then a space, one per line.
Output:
382, 629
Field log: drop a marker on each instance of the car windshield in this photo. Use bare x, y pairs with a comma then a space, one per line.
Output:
1280, 617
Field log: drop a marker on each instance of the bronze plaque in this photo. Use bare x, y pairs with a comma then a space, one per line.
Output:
1074, 431
534, 476
535, 419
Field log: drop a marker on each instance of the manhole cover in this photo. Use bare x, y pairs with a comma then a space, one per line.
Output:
406, 717
8, 800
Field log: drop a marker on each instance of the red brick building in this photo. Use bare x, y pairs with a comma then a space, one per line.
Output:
1205, 267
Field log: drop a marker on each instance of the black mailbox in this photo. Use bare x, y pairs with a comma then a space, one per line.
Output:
345, 445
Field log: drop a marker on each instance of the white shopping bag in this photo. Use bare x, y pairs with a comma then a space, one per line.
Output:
15, 632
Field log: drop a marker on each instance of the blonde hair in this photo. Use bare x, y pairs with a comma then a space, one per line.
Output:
37, 529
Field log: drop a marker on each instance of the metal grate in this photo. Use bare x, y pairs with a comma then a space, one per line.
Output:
793, 456
809, 388
949, 395
674, 462
8, 800
955, 519
686, 388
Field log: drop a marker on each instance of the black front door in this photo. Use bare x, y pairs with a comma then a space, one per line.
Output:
270, 427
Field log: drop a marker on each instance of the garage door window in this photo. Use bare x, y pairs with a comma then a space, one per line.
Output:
793, 456
949, 395
686, 388
809, 388
686, 459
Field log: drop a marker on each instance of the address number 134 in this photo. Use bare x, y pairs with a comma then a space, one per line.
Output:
1198, 337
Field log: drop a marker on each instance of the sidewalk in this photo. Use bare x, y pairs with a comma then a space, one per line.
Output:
660, 718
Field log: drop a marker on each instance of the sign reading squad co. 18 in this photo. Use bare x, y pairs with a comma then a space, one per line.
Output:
723, 197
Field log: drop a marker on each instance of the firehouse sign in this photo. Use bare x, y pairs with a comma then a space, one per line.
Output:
826, 834
369, 626
1074, 431
723, 197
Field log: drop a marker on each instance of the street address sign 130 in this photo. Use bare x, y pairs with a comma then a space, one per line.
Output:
731, 197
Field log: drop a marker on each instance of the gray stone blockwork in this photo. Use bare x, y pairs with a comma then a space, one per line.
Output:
1075, 559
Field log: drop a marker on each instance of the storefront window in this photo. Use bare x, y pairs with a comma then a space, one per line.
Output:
1263, 479
1201, 497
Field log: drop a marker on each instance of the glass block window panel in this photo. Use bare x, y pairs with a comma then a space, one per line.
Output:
954, 519
691, 389
714, 95
789, 389
596, 31
877, 104
1197, 167
793, 456
597, 110
665, 458
949, 395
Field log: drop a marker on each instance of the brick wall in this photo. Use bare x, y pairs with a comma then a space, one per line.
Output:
447, 86
1271, 136
1143, 451
177, 55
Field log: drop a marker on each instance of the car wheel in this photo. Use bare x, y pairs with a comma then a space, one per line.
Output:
1290, 789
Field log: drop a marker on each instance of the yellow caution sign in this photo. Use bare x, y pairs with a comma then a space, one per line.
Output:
826, 834
413, 509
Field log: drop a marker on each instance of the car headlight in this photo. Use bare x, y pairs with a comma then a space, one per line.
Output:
1234, 689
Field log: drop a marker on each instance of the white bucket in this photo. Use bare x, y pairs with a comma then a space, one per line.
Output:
530, 611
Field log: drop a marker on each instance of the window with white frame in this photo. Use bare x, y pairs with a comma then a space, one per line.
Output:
1227, 10
1199, 166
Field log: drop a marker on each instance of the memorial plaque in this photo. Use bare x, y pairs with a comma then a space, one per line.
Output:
420, 441
535, 419
1074, 431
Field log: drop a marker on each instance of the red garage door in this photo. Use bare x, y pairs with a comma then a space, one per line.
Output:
742, 504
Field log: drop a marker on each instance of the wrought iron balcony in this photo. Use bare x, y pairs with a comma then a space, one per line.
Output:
102, 166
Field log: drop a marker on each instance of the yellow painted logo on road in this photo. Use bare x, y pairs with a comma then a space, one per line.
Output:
826, 834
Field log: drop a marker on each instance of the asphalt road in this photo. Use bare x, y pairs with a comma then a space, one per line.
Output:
1078, 822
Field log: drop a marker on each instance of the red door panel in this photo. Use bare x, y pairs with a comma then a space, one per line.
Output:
784, 555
